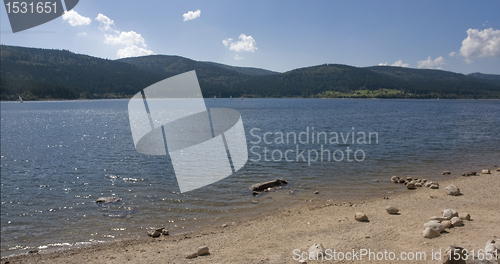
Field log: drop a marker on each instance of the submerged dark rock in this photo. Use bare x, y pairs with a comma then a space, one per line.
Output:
108, 199
259, 187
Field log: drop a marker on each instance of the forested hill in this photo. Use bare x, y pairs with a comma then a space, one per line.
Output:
38, 74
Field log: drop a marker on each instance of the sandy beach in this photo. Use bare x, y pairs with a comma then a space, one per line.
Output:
283, 236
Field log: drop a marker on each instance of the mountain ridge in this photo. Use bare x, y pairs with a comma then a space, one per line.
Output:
40, 74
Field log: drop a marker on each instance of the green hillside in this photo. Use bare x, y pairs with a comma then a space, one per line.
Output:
41, 74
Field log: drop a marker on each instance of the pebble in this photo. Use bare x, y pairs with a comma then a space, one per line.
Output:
435, 226
316, 250
359, 216
486, 171
452, 190
446, 223
464, 216
455, 221
202, 251
430, 233
392, 210
449, 213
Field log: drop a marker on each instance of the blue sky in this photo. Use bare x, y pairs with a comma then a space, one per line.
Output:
458, 36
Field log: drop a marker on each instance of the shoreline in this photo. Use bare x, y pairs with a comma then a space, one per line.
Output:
274, 236
236, 99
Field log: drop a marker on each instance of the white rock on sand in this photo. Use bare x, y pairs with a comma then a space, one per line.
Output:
455, 221
392, 210
316, 251
452, 190
430, 233
359, 216
449, 213
435, 226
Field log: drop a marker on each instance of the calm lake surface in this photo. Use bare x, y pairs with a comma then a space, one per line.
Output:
57, 158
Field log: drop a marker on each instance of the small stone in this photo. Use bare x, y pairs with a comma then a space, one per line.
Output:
154, 233
446, 223
394, 179
192, 255
434, 186
316, 251
302, 261
408, 178
431, 233
392, 210
316, 192
418, 184
359, 216
164, 232
486, 171
202, 251
449, 213
435, 226
455, 221
464, 216
452, 190
410, 186
255, 202
224, 225
446, 172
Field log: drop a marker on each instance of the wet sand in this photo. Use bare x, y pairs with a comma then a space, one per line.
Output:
275, 237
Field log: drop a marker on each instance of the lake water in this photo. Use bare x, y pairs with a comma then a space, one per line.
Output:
57, 158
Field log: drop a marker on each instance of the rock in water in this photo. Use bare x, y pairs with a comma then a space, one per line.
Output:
430, 233
435, 226
410, 185
259, 187
449, 213
392, 210
486, 172
108, 199
452, 189
395, 179
446, 172
154, 233
316, 251
464, 216
359, 216
202, 251
455, 221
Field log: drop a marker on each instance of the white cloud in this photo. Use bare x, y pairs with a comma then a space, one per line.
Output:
468, 61
82, 34
126, 38
131, 39
398, 63
76, 19
245, 43
452, 54
431, 64
191, 15
105, 22
238, 57
133, 51
227, 41
485, 43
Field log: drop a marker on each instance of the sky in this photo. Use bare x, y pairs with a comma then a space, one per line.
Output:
458, 36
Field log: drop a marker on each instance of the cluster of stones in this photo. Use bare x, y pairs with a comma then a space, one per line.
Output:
158, 232
450, 218
412, 183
